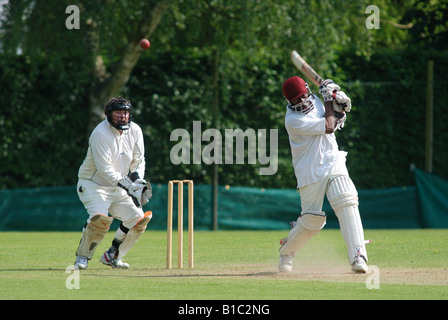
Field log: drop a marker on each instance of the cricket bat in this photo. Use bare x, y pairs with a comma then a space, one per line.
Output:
309, 72
305, 68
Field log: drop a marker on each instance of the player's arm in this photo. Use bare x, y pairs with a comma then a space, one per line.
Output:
336, 104
138, 157
134, 184
330, 118
102, 155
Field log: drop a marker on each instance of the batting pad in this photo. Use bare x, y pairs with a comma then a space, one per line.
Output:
133, 235
343, 198
93, 234
308, 225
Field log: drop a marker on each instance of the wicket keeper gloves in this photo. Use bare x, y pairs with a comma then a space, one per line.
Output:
136, 188
146, 194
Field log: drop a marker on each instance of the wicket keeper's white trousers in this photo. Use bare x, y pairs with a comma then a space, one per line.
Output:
312, 196
114, 200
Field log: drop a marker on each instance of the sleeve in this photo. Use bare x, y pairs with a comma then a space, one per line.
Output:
102, 157
138, 160
304, 126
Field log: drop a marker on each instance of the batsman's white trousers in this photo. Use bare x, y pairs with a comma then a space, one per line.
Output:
312, 196
104, 200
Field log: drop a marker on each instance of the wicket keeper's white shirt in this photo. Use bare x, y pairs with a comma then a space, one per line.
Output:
314, 153
111, 156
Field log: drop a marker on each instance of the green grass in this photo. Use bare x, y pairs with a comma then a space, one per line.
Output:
229, 265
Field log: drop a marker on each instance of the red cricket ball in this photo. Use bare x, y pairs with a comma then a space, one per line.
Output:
145, 44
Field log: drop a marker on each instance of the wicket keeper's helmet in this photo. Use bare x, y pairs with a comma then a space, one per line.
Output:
120, 104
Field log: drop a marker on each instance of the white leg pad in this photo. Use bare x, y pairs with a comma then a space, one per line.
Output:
133, 235
343, 198
308, 225
93, 234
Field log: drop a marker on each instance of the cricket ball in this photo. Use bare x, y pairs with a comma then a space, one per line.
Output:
145, 44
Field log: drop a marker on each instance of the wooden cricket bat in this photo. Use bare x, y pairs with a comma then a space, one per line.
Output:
305, 68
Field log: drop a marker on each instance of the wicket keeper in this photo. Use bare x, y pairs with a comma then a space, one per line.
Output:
111, 181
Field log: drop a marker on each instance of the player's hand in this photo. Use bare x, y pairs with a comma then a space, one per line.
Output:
342, 102
328, 89
146, 194
340, 120
133, 188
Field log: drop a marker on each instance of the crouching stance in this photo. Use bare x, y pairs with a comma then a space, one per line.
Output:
111, 182
320, 170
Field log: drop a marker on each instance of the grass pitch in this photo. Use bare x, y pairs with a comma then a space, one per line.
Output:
229, 265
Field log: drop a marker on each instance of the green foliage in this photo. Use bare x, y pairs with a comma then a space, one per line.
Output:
385, 132
182, 92
430, 23
221, 63
42, 123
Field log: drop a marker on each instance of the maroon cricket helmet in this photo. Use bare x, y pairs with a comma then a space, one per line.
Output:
294, 87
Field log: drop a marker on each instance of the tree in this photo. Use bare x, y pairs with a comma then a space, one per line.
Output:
107, 42
222, 62
110, 78
55, 80
430, 26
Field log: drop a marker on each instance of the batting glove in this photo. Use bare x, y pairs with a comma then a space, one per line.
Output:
341, 102
328, 89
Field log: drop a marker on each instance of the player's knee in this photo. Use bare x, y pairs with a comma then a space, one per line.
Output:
94, 232
134, 234
100, 221
308, 225
312, 222
133, 220
342, 193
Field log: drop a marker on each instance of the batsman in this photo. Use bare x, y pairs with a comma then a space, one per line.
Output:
111, 182
320, 170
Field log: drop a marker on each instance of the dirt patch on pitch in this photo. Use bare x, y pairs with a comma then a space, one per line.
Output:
410, 276
383, 275
335, 273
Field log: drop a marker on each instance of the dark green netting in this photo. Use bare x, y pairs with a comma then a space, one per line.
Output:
423, 205
433, 200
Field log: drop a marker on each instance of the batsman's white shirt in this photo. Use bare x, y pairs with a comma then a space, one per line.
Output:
111, 156
314, 153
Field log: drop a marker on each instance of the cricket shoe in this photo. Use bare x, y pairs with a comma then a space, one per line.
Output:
285, 264
81, 262
115, 263
360, 265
